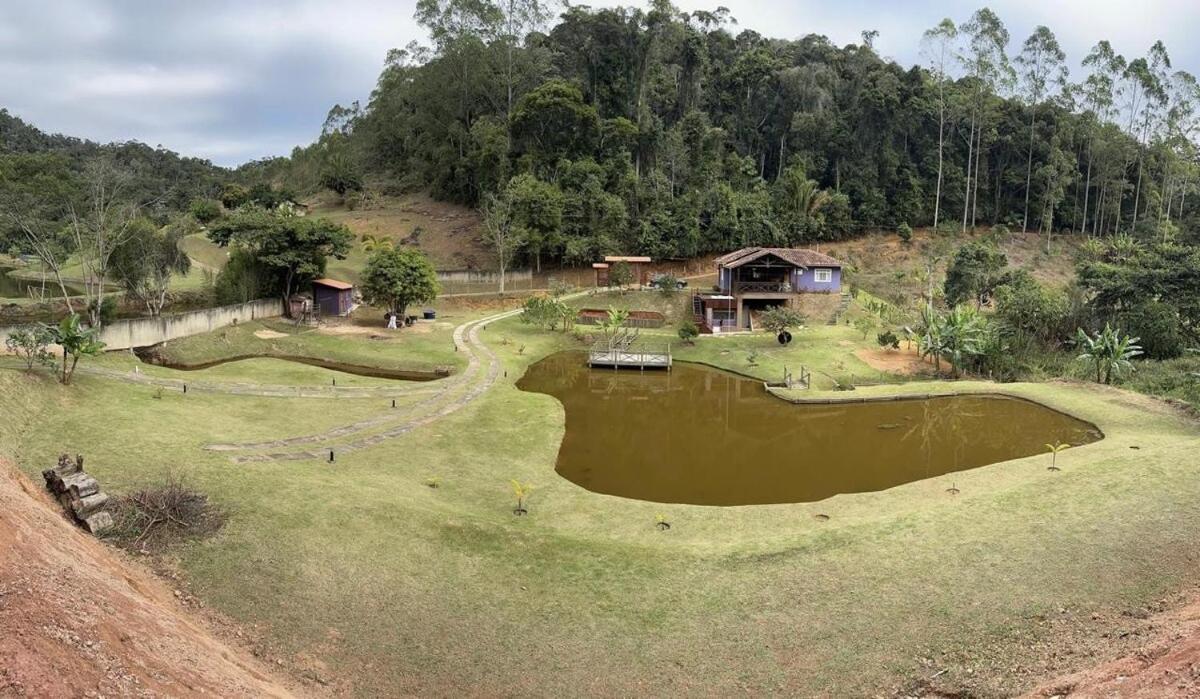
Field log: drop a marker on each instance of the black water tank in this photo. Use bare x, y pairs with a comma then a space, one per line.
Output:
429, 314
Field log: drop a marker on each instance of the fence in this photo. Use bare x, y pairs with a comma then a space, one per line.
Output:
636, 319
467, 281
143, 332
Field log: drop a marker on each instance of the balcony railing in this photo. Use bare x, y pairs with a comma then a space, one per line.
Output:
759, 287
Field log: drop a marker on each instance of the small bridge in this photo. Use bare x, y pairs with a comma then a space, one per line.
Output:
622, 350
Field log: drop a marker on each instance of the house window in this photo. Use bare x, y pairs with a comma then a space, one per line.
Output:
823, 276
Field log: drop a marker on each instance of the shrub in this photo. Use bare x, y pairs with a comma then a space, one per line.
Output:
688, 331
905, 232
29, 343
1157, 324
888, 338
205, 210
865, 324
780, 318
1024, 305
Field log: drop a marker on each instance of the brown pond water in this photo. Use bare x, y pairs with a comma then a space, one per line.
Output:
702, 436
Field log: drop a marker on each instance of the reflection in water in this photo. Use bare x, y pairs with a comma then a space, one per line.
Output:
698, 435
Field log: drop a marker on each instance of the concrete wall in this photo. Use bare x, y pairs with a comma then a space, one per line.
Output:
142, 332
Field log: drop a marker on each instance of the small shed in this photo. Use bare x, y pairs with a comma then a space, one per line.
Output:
634, 261
333, 297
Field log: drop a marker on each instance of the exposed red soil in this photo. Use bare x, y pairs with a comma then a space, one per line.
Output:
1166, 666
903, 362
78, 618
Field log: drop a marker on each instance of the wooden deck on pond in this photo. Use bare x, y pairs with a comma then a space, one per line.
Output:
620, 351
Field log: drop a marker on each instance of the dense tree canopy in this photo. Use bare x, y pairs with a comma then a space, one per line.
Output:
669, 133
291, 249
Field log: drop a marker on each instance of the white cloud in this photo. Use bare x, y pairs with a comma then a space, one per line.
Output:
148, 81
235, 79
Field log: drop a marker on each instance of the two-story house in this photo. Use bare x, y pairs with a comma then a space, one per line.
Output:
755, 278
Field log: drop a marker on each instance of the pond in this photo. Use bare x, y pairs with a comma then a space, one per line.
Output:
16, 288
706, 437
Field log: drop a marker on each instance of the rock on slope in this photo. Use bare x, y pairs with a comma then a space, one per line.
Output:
77, 619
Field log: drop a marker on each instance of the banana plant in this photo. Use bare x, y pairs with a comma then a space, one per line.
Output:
76, 341
1054, 449
1109, 351
521, 490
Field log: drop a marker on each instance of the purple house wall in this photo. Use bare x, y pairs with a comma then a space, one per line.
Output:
806, 280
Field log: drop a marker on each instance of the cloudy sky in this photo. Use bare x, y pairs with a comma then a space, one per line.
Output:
234, 80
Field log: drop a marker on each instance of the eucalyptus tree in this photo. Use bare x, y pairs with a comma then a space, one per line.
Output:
1105, 67
985, 59
937, 45
1042, 67
518, 18
1152, 81
1180, 123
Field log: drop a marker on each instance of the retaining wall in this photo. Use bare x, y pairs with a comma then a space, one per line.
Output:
143, 332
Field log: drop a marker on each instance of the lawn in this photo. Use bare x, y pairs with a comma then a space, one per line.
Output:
362, 575
423, 347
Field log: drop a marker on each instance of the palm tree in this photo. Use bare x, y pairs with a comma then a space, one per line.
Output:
372, 243
1109, 351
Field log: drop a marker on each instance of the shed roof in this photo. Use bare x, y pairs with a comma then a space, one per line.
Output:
797, 256
626, 258
333, 283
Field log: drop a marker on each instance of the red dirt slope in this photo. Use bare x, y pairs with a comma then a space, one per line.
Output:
1168, 666
76, 619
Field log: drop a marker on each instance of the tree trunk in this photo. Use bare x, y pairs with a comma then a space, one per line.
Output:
1029, 169
967, 193
975, 187
1137, 195
937, 200
1087, 186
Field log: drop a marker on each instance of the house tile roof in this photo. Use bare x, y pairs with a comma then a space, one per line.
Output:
796, 256
333, 283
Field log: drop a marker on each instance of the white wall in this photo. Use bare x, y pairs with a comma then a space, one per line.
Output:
142, 332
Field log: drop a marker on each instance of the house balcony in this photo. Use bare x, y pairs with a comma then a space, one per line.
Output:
762, 288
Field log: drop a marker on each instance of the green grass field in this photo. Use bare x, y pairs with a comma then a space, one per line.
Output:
359, 573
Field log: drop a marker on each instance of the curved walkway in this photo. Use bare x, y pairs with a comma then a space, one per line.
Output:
453, 394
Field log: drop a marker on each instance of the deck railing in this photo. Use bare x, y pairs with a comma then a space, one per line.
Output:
760, 287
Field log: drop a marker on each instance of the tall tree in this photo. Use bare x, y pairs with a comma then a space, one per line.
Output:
986, 61
1042, 65
292, 248
1105, 68
938, 47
